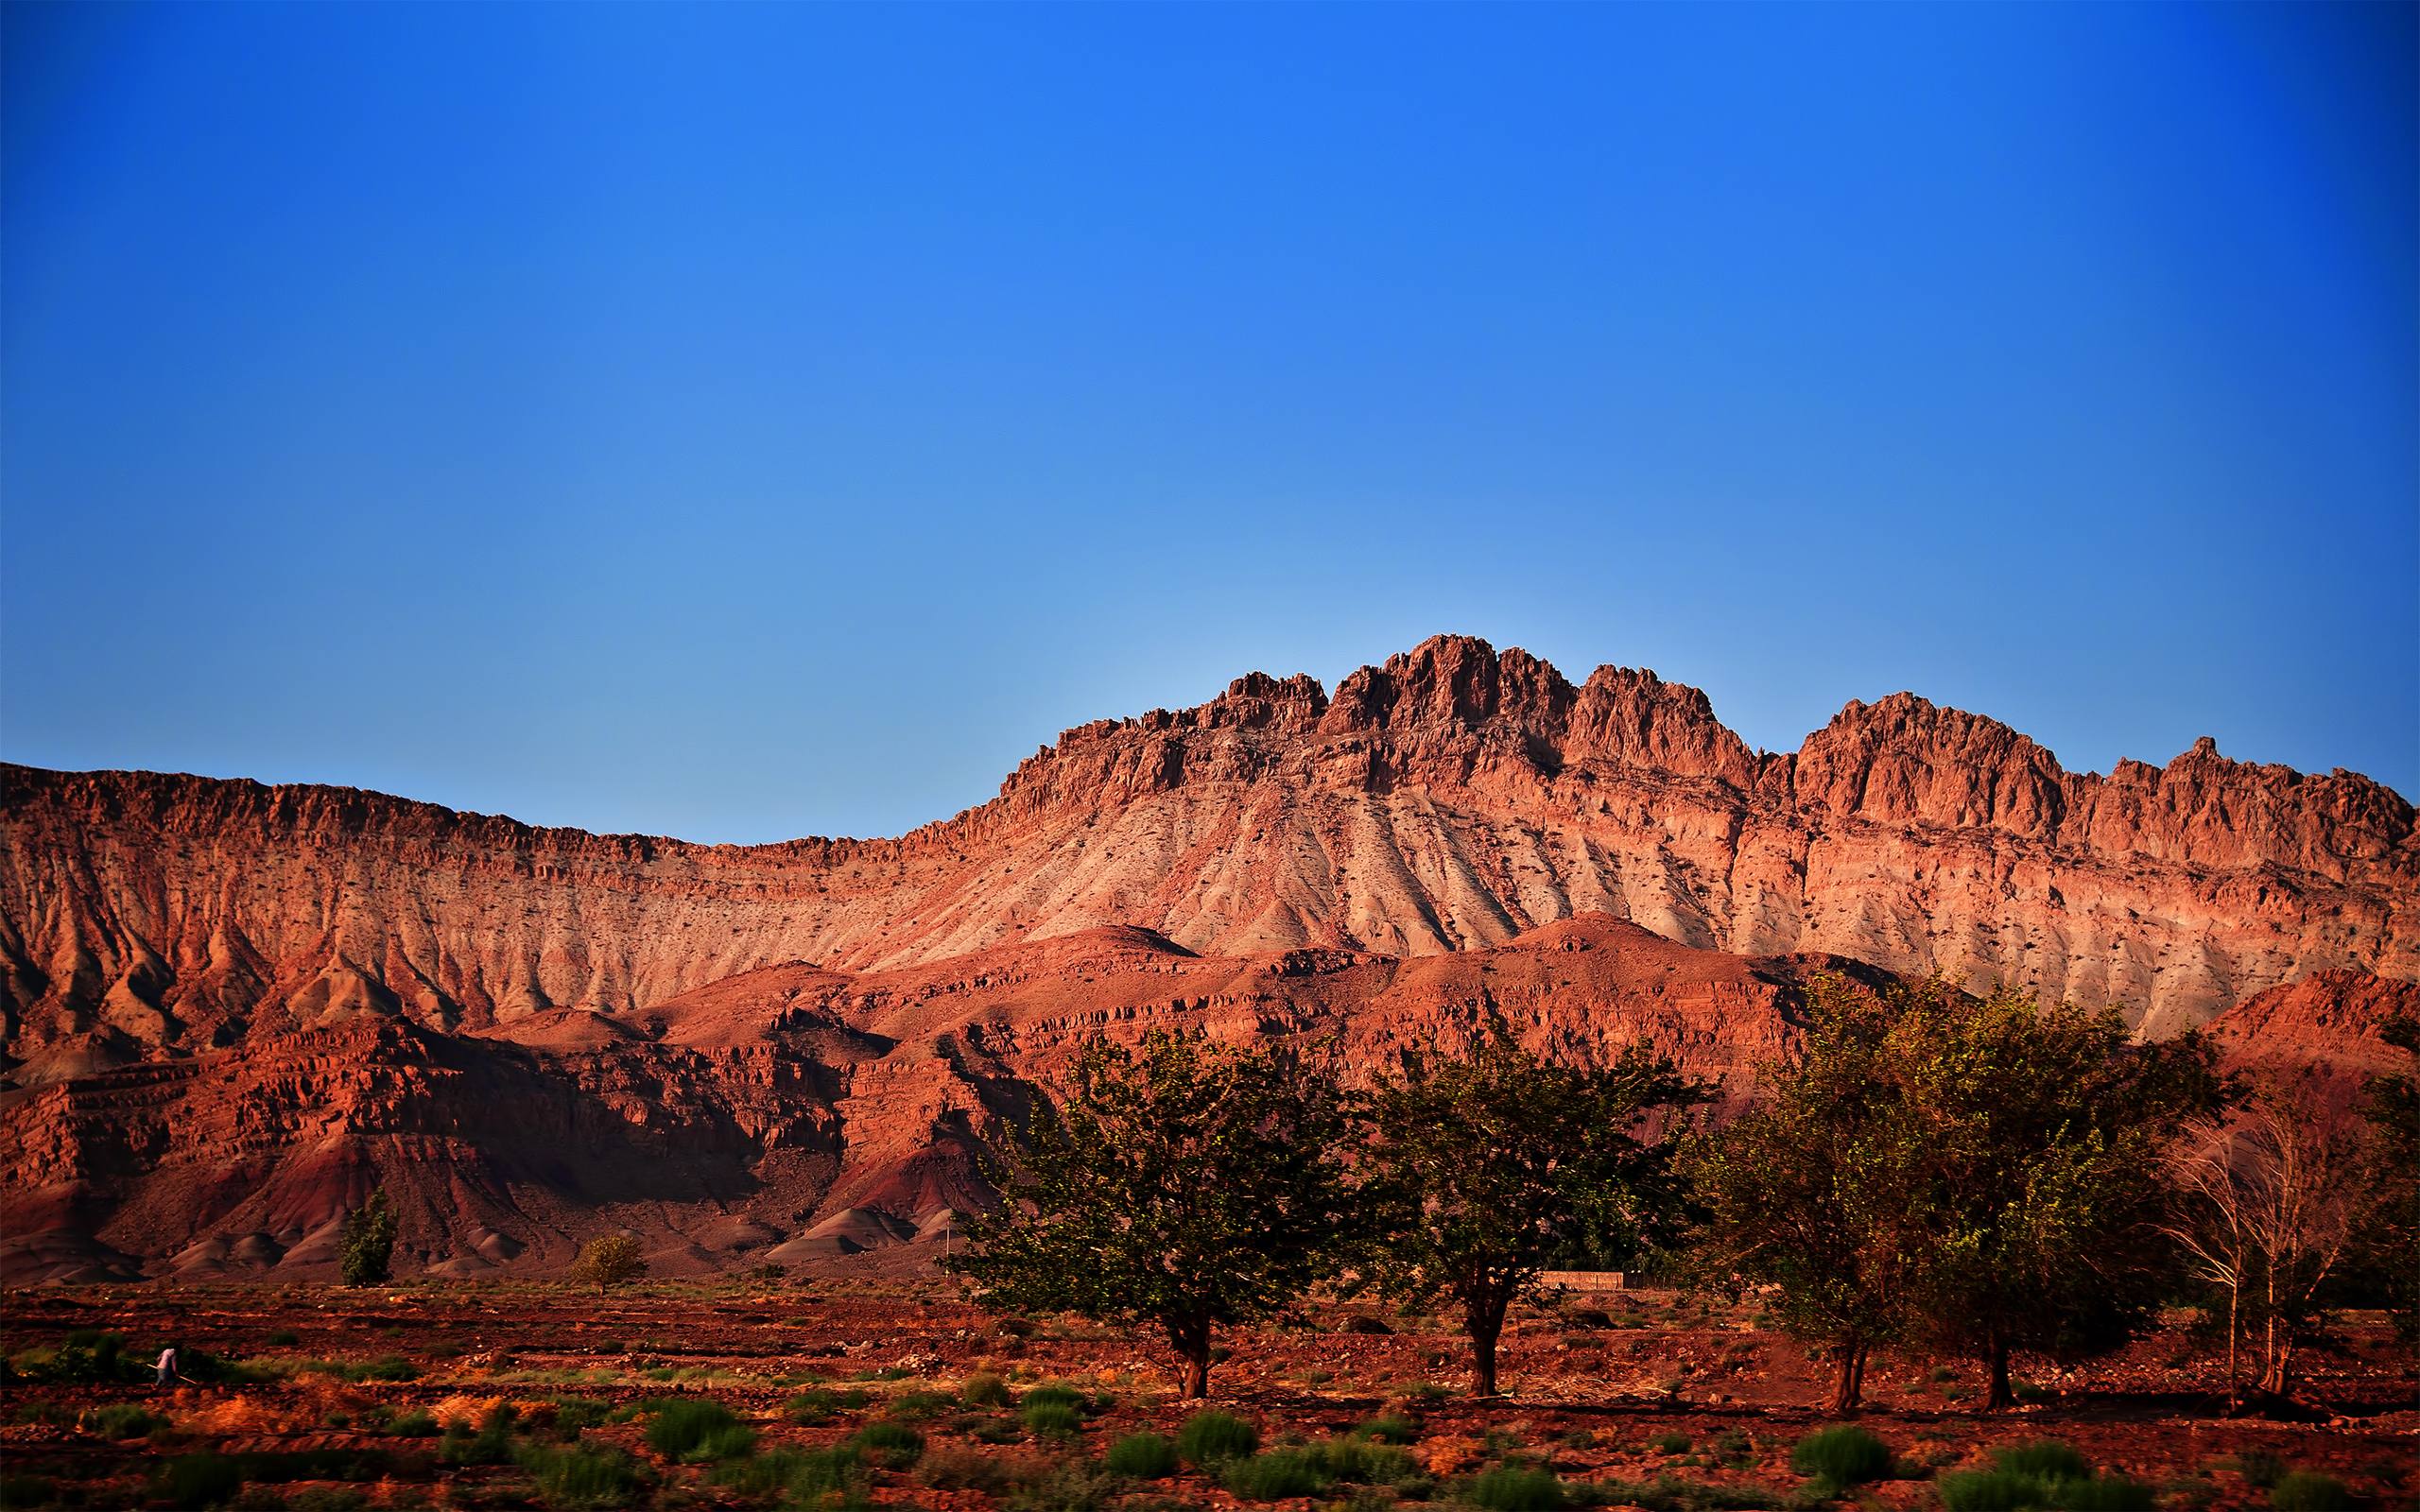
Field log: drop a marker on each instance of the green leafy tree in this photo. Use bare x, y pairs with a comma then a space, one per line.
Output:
1183, 1185
609, 1261
1805, 1195
1485, 1167
2044, 1135
365, 1243
1972, 1176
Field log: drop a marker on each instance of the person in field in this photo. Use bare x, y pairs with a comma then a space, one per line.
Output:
170, 1366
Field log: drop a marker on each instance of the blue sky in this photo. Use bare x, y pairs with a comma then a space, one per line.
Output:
747, 421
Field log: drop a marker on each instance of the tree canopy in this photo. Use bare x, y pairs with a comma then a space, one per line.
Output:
1485, 1166
1182, 1184
1975, 1176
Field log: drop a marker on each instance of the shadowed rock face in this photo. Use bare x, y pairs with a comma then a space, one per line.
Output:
796, 1110
1451, 799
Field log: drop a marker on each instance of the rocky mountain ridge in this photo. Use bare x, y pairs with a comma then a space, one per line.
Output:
1450, 800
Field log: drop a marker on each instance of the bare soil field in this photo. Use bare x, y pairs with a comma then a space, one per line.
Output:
329, 1400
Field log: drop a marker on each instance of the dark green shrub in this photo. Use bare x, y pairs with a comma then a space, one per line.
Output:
284, 1338
366, 1245
1208, 1438
2310, 1491
2260, 1466
922, 1405
2102, 1493
757, 1474
984, 1389
828, 1480
968, 1469
1142, 1457
690, 1428
1054, 1395
2046, 1460
1511, 1489
576, 1412
892, 1445
416, 1423
1389, 1430
1669, 1443
1359, 1461
200, 1479
89, 1355
491, 1444
1989, 1491
810, 1408
1275, 1476
122, 1420
1071, 1486
386, 1368
2008, 1490
585, 1476
1844, 1455
1051, 1419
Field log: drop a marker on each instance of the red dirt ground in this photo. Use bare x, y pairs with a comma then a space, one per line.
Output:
1591, 1402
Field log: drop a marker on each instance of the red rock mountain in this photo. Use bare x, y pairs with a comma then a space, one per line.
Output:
230, 1008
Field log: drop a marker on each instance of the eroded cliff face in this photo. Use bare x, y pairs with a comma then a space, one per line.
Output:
1449, 800
791, 1112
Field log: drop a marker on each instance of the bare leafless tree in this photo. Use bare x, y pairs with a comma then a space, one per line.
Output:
2266, 1203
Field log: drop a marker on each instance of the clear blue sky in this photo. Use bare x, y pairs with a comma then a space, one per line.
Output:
742, 422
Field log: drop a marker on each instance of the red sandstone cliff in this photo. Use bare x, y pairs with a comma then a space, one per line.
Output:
1451, 799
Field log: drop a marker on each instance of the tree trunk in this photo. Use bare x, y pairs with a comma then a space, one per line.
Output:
1190, 1338
1483, 1320
2235, 1334
1848, 1379
2001, 1395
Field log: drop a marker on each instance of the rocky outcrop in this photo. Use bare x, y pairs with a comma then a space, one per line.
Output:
791, 1113
1449, 800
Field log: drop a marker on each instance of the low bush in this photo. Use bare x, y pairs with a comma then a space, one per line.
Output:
1055, 1395
757, 1474
282, 1338
827, 1480
1275, 1476
2007, 1490
984, 1389
1670, 1493
920, 1405
200, 1479
576, 1412
585, 1477
2310, 1491
416, 1423
1841, 1456
1142, 1457
1051, 1419
386, 1368
2260, 1468
491, 1444
1511, 1488
1071, 1486
968, 1469
1212, 1437
1393, 1429
892, 1445
695, 1427
1360, 1461
122, 1420
810, 1408
1669, 1443
2046, 1459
